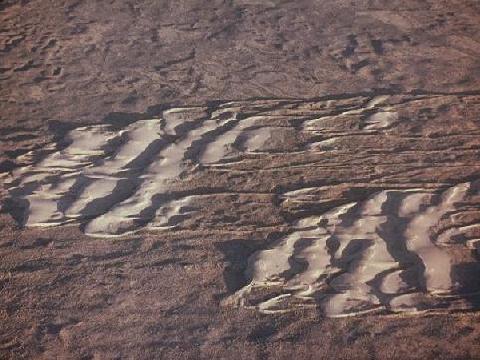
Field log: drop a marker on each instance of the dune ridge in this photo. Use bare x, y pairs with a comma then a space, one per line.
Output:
381, 254
333, 176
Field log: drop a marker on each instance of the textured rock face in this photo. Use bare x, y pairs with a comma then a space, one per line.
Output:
377, 204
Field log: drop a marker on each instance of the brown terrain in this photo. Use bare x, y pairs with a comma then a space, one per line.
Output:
242, 179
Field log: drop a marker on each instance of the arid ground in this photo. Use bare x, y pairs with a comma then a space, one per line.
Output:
243, 179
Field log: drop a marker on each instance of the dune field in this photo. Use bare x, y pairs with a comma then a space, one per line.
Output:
239, 179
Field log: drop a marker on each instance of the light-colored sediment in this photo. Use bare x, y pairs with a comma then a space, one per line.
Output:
364, 239
379, 254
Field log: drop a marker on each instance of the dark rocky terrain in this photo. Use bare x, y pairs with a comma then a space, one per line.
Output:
239, 179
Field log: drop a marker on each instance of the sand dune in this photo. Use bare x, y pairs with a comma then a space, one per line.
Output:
116, 182
351, 247
173, 171
377, 255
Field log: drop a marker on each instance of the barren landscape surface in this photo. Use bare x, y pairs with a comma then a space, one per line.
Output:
239, 179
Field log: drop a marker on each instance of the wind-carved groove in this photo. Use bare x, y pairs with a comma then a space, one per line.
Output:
371, 224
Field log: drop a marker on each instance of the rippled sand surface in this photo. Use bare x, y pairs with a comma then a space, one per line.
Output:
402, 246
242, 179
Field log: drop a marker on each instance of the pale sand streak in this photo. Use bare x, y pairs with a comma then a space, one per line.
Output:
123, 217
56, 174
223, 146
114, 178
106, 175
382, 253
354, 261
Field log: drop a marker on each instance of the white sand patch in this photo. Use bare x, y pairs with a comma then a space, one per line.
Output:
376, 255
397, 248
381, 120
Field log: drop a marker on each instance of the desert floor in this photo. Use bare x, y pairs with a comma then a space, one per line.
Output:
242, 179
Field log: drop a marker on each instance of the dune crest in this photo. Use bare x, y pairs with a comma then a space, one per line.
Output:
332, 177
382, 254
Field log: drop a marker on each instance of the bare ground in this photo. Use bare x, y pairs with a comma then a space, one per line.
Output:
63, 64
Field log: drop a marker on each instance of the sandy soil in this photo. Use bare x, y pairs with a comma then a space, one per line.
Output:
239, 179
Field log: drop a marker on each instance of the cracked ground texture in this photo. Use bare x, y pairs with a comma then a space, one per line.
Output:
239, 179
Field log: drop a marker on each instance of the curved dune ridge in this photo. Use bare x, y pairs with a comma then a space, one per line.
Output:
115, 182
369, 194
395, 251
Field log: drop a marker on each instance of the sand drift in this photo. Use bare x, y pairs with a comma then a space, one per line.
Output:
376, 209
381, 254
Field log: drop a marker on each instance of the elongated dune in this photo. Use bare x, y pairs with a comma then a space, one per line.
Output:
365, 239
